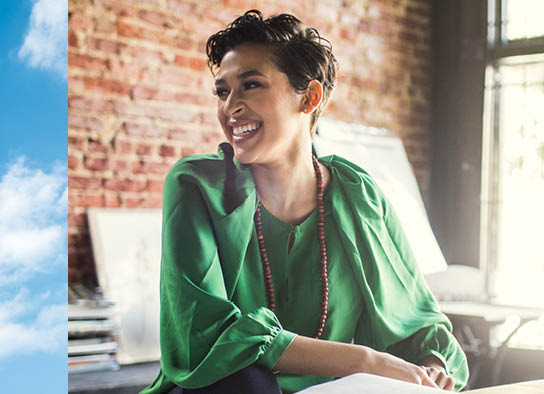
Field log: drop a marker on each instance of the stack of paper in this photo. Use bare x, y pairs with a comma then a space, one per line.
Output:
91, 332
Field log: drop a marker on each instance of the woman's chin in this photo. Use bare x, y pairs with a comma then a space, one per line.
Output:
243, 156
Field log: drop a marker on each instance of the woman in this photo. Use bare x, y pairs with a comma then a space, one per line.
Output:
278, 269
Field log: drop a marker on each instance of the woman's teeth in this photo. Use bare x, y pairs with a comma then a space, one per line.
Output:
245, 129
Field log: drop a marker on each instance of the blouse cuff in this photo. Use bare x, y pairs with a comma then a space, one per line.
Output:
275, 346
438, 355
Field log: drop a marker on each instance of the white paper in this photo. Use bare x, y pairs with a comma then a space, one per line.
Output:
383, 156
362, 383
127, 252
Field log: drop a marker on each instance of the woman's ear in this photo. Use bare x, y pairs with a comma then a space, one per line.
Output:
312, 97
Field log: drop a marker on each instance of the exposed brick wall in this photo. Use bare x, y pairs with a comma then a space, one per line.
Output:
139, 92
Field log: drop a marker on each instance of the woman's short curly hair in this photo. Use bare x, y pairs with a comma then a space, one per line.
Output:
297, 50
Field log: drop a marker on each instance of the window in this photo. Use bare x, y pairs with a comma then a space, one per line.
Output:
512, 235
513, 157
513, 154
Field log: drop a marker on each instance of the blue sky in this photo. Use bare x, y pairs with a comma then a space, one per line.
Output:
33, 196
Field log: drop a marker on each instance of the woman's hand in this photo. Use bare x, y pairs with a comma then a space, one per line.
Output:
435, 370
385, 364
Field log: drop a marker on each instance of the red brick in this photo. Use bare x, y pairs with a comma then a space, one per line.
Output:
125, 185
96, 146
348, 33
184, 43
209, 118
158, 18
76, 60
79, 21
78, 5
167, 151
119, 165
141, 92
87, 200
105, 24
183, 7
104, 45
120, 9
84, 122
176, 114
73, 162
145, 55
77, 220
186, 151
111, 201
175, 78
144, 149
144, 167
96, 164
74, 83
122, 70
151, 202
79, 182
121, 147
132, 108
143, 130
131, 202
72, 39
128, 30
154, 186
80, 102
193, 63
221, 14
186, 135
106, 86
151, 3
75, 142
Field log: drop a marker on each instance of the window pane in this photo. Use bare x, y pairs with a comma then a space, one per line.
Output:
523, 19
520, 247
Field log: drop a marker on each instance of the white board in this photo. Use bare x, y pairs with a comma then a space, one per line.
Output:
127, 252
384, 157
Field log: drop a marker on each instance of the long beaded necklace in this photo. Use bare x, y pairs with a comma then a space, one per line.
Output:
323, 251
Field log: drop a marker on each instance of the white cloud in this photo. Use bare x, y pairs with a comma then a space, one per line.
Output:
33, 231
45, 45
32, 219
21, 333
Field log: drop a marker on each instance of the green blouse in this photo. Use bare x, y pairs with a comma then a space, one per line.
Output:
214, 319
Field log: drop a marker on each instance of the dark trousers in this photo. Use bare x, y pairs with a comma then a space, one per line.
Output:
250, 380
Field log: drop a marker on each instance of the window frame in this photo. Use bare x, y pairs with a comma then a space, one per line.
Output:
498, 50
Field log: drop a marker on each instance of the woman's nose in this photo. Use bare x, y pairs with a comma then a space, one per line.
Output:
233, 104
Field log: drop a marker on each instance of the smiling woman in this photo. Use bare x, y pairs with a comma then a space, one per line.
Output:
280, 270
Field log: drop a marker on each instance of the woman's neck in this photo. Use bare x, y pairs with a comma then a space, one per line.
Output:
288, 188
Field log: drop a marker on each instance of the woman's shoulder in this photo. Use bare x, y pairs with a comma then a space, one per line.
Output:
358, 184
201, 168
349, 172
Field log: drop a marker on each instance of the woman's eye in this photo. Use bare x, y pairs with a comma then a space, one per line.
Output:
220, 92
251, 85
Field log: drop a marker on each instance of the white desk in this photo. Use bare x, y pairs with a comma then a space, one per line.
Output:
532, 387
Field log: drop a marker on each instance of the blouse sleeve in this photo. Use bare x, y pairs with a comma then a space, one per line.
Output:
406, 320
204, 336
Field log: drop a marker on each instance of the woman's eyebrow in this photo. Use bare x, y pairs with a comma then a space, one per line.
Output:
245, 74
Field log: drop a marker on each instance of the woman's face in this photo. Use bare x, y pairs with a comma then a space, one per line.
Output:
261, 114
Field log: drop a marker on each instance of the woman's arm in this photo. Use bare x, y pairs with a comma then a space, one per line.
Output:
308, 356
